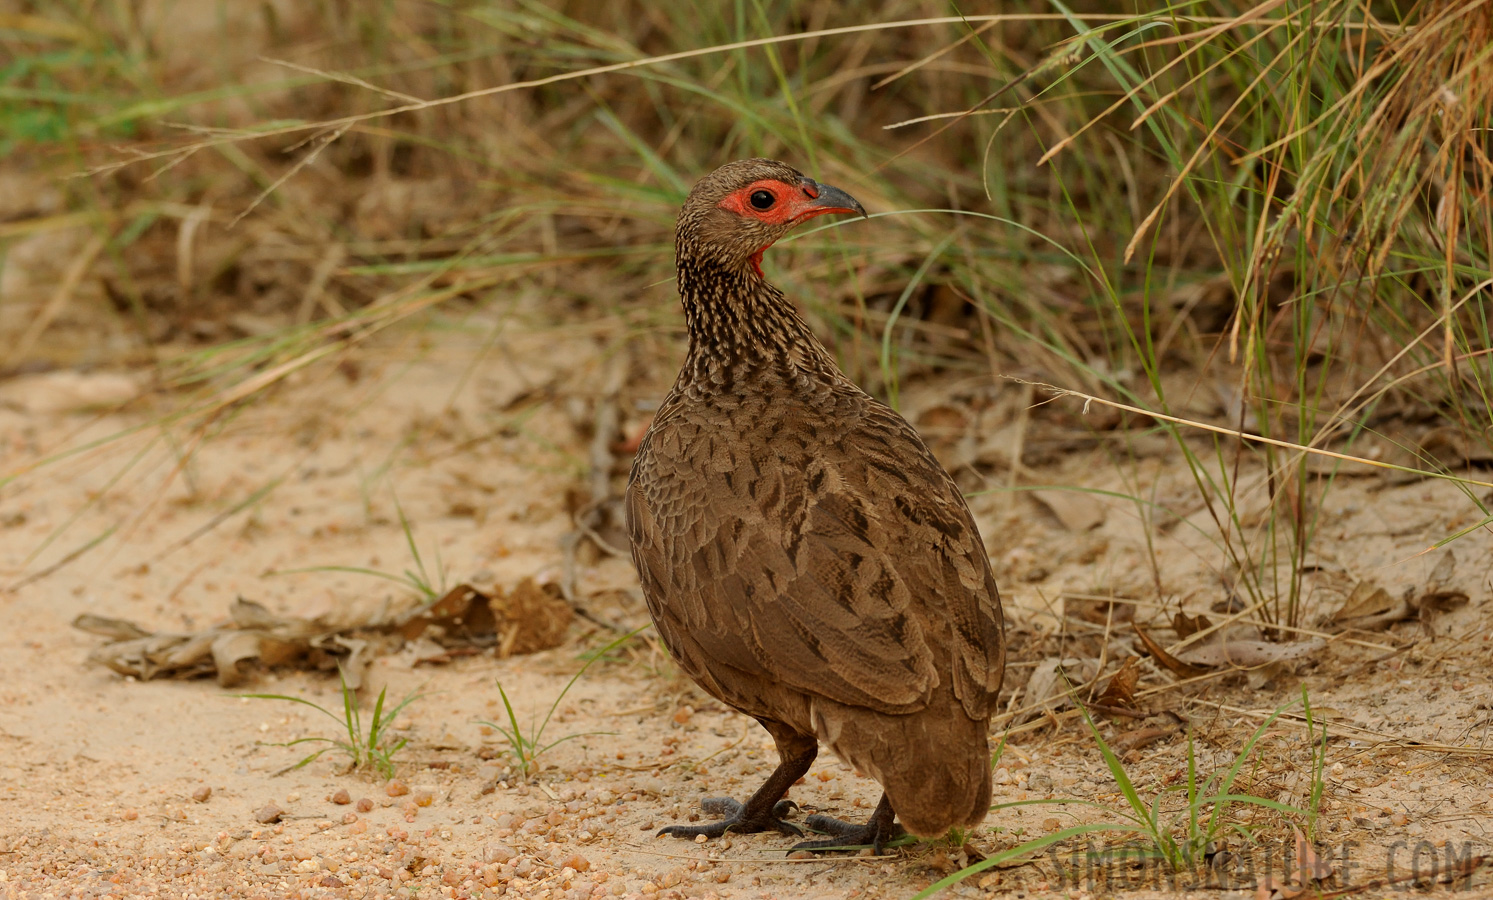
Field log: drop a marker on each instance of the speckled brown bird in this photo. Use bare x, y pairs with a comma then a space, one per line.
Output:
805, 558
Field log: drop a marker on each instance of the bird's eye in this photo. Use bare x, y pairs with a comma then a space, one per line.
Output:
762, 199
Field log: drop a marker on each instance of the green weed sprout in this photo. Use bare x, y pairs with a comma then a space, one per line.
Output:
428, 586
526, 748
1180, 837
364, 750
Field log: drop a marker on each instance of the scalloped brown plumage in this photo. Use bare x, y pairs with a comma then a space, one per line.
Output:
805, 558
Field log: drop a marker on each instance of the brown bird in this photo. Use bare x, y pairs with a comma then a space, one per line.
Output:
805, 558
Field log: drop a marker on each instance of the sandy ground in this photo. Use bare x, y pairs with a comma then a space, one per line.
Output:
110, 787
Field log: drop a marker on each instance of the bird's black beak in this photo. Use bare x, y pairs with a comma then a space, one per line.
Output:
825, 198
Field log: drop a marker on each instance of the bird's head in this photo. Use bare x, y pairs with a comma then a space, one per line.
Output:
736, 212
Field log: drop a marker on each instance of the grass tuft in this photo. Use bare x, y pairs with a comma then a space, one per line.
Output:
365, 749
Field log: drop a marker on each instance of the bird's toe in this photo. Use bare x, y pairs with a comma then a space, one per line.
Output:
735, 818
849, 836
725, 807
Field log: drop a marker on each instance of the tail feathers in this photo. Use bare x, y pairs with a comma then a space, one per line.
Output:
935, 768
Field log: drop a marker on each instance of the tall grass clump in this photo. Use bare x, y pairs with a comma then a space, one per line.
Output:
1269, 219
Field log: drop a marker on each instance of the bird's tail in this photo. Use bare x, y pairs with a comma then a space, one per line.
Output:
934, 768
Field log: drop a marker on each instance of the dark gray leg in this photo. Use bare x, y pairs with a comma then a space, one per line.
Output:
764, 810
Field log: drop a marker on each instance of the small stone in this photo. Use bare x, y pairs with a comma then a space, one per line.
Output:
202, 793
342, 797
577, 862
396, 788
1051, 824
364, 805
498, 853
424, 798
1400, 819
330, 881
268, 813
130, 815
349, 818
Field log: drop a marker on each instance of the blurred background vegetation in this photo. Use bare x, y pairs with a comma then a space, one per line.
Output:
1271, 219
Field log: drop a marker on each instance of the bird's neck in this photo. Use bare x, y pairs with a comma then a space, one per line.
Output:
742, 329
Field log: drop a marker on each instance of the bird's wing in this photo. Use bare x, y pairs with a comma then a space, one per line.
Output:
849, 576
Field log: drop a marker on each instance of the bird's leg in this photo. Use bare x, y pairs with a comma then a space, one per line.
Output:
764, 810
883, 827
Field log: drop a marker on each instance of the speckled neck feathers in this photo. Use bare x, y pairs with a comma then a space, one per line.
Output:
743, 329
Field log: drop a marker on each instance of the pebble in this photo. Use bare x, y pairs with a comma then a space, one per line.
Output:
396, 788
268, 813
1039, 783
364, 805
202, 793
342, 797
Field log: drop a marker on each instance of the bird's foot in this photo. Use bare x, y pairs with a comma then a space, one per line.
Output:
847, 836
735, 818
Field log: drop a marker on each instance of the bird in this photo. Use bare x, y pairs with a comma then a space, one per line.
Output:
805, 558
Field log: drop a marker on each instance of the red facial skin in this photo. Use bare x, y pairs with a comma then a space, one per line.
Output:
793, 204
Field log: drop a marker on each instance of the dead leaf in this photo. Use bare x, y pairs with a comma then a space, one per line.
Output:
1446, 566
1120, 692
1440, 601
1078, 512
1186, 626
1050, 682
1309, 865
1171, 663
1248, 654
1097, 610
115, 629
1140, 738
1369, 607
531, 618
229, 649
425, 650
463, 611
